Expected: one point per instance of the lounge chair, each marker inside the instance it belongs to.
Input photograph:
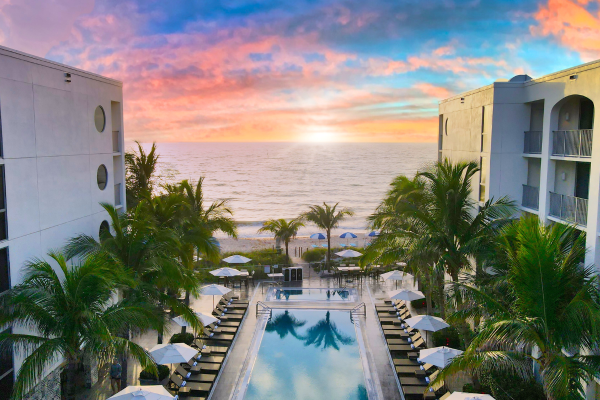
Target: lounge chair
(414, 392)
(402, 345)
(229, 311)
(177, 383)
(403, 361)
(444, 397)
(223, 329)
(395, 333)
(192, 376)
(210, 348)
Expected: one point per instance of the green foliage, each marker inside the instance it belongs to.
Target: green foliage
(149, 374)
(503, 386)
(282, 229)
(327, 217)
(448, 337)
(187, 338)
(314, 255)
(140, 179)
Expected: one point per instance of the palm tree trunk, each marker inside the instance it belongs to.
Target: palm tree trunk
(71, 378)
(429, 290)
(328, 248)
(286, 248)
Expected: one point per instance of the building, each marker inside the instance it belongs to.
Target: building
(534, 140)
(61, 141)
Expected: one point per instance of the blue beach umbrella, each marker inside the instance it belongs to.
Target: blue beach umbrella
(319, 236)
(348, 235)
(373, 234)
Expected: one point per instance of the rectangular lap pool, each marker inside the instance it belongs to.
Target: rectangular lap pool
(311, 294)
(308, 354)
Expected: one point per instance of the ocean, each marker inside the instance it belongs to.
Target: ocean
(280, 180)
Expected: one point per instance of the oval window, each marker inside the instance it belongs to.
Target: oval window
(99, 119)
(102, 177)
(104, 229)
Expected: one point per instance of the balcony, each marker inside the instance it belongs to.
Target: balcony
(575, 143)
(116, 142)
(569, 208)
(118, 195)
(533, 142)
(531, 197)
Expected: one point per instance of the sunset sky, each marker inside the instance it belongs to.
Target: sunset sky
(300, 70)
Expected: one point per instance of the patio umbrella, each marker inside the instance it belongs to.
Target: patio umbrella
(348, 254)
(438, 356)
(154, 392)
(172, 353)
(394, 276)
(226, 271)
(406, 295)
(237, 259)
(427, 323)
(348, 235)
(214, 290)
(469, 396)
(318, 236)
(373, 234)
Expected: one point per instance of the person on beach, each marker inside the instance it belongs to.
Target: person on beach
(115, 376)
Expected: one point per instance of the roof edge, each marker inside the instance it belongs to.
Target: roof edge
(6, 51)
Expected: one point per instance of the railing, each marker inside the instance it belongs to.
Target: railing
(575, 143)
(533, 142)
(531, 197)
(360, 309)
(116, 142)
(263, 309)
(118, 194)
(569, 208)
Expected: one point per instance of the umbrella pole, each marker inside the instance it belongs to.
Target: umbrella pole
(213, 301)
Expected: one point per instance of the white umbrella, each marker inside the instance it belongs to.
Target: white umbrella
(348, 254)
(438, 356)
(206, 319)
(214, 290)
(427, 323)
(154, 392)
(172, 353)
(394, 276)
(236, 259)
(469, 396)
(226, 271)
(406, 295)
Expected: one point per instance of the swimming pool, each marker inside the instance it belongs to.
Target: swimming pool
(311, 294)
(308, 354)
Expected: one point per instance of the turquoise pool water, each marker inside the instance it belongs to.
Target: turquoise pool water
(311, 294)
(308, 354)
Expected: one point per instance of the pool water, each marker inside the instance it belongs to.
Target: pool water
(308, 354)
(311, 294)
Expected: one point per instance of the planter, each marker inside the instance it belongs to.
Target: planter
(149, 382)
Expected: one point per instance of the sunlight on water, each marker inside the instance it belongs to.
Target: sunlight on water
(308, 354)
(279, 180)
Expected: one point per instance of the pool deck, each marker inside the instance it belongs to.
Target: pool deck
(369, 292)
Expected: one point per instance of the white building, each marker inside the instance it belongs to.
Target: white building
(534, 140)
(61, 135)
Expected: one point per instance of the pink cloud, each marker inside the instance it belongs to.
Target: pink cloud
(434, 91)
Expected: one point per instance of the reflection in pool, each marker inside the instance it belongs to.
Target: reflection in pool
(311, 294)
(308, 354)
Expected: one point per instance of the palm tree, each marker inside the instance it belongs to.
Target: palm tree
(283, 324)
(73, 315)
(326, 333)
(140, 173)
(283, 230)
(327, 217)
(541, 304)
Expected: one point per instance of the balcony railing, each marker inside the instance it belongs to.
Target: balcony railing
(116, 142)
(576, 143)
(118, 194)
(531, 197)
(533, 142)
(569, 208)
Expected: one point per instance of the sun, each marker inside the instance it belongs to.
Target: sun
(320, 134)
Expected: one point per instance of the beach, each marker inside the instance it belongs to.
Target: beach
(250, 244)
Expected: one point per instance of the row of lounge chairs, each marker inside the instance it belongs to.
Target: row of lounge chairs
(404, 344)
(194, 379)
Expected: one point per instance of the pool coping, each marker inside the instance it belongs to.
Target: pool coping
(372, 383)
(352, 295)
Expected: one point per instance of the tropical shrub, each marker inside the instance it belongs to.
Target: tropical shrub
(314, 255)
(448, 337)
(186, 337)
(163, 372)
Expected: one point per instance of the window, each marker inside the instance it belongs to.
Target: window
(440, 132)
(3, 227)
(6, 372)
(483, 175)
(4, 270)
(1, 146)
(446, 127)
(104, 229)
(102, 177)
(99, 119)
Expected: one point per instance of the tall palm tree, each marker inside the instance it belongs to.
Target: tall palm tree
(540, 299)
(140, 179)
(73, 314)
(283, 230)
(327, 217)
(285, 324)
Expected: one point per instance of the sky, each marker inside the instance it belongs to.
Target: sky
(300, 70)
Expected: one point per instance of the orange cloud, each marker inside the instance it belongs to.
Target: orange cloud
(434, 91)
(570, 22)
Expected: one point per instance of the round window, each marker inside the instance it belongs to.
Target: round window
(102, 177)
(104, 229)
(99, 119)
